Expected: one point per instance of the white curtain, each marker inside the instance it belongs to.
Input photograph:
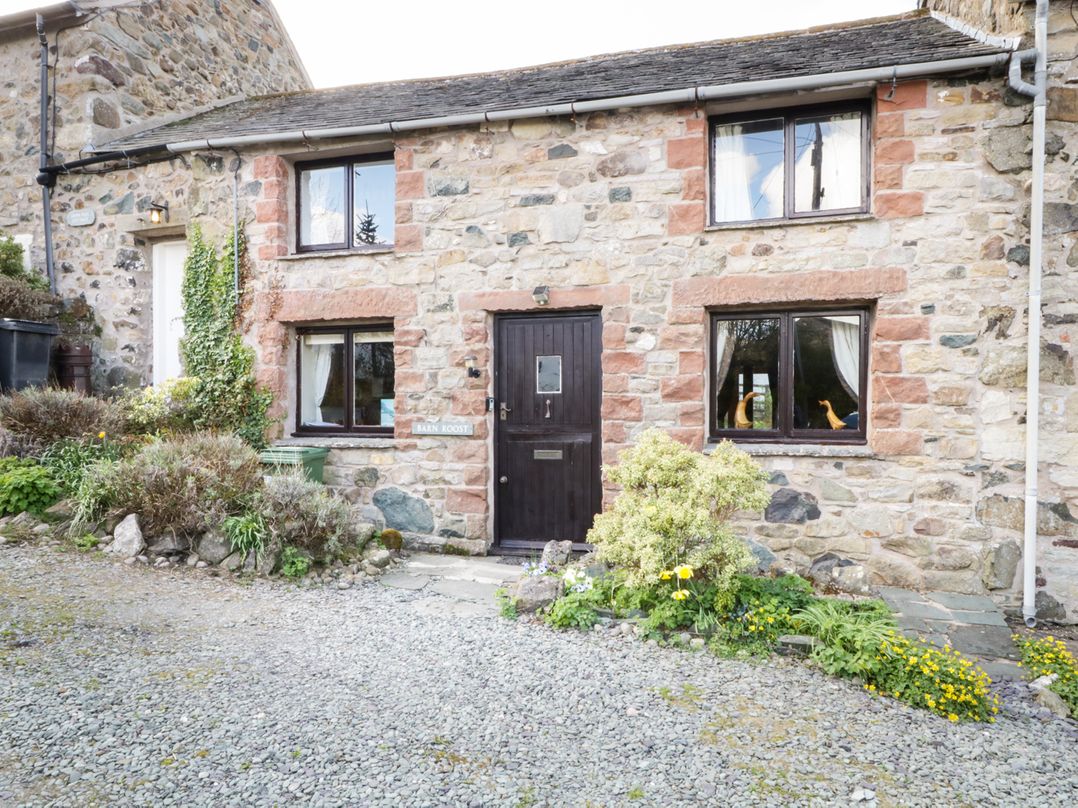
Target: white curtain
(840, 164)
(317, 364)
(733, 175)
(724, 354)
(846, 351)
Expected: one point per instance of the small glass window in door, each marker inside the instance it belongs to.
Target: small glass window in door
(548, 374)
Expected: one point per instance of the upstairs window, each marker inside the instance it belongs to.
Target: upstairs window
(789, 165)
(789, 376)
(345, 380)
(346, 204)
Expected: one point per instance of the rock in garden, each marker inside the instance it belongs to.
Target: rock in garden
(127, 539)
(1051, 700)
(533, 592)
(556, 553)
(266, 561)
(213, 547)
(192, 559)
(378, 556)
(64, 509)
(233, 562)
(852, 579)
(169, 544)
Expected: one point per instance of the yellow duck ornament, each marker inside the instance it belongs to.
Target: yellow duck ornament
(834, 420)
(741, 420)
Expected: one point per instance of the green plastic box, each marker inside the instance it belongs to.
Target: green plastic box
(311, 458)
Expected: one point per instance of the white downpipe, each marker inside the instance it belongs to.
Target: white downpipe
(690, 95)
(1039, 91)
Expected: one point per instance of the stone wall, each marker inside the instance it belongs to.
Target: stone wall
(126, 69)
(608, 210)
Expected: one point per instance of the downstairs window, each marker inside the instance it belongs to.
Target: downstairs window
(790, 376)
(345, 380)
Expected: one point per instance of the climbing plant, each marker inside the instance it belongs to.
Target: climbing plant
(226, 396)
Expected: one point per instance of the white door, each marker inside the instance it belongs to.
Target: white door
(168, 258)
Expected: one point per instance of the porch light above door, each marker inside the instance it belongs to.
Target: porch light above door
(158, 212)
(472, 364)
(541, 295)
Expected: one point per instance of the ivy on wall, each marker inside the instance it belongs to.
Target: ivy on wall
(226, 396)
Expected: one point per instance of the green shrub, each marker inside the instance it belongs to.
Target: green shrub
(294, 563)
(674, 508)
(12, 266)
(573, 610)
(186, 484)
(391, 539)
(43, 416)
(226, 396)
(1047, 656)
(245, 533)
(25, 486)
(69, 460)
(306, 515)
(849, 637)
(166, 409)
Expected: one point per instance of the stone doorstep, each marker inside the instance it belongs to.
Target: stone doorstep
(485, 570)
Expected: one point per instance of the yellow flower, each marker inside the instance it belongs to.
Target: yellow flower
(680, 594)
(952, 717)
(665, 575)
(101, 435)
(684, 571)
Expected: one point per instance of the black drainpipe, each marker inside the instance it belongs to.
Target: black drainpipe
(46, 178)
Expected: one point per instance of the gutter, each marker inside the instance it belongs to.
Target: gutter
(691, 95)
(1039, 91)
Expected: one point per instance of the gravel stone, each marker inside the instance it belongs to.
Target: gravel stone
(124, 685)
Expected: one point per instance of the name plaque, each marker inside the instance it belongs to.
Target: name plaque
(442, 428)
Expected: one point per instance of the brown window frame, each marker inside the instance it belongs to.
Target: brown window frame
(348, 164)
(785, 431)
(790, 116)
(349, 428)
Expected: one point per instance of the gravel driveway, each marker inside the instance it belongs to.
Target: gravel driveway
(130, 686)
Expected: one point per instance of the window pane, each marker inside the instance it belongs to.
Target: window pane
(748, 166)
(373, 355)
(548, 374)
(746, 373)
(322, 380)
(827, 160)
(374, 193)
(827, 372)
(321, 205)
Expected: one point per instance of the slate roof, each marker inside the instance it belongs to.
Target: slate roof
(907, 39)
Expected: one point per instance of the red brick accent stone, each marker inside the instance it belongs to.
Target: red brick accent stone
(686, 152)
(403, 213)
(313, 305)
(521, 300)
(900, 389)
(408, 238)
(269, 166)
(468, 402)
(886, 415)
(693, 437)
(907, 95)
(614, 432)
(685, 219)
(624, 362)
(733, 290)
(897, 442)
(681, 336)
(615, 383)
(466, 500)
(410, 381)
(693, 185)
(465, 451)
(270, 210)
(411, 185)
(691, 414)
(622, 408)
(899, 204)
(894, 151)
(690, 362)
(475, 476)
(888, 178)
(886, 359)
(890, 124)
(683, 388)
(613, 336)
(404, 159)
(902, 329)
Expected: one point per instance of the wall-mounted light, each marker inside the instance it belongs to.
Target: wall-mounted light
(541, 295)
(472, 364)
(158, 212)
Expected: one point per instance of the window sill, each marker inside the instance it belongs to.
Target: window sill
(299, 256)
(772, 223)
(340, 441)
(799, 449)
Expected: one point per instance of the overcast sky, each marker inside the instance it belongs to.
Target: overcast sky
(356, 41)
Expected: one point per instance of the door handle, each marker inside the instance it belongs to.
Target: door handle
(504, 410)
(503, 479)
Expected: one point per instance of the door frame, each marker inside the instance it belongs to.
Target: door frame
(157, 248)
(518, 547)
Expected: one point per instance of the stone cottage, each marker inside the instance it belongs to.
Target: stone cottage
(114, 65)
(477, 290)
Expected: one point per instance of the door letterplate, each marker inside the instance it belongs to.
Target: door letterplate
(546, 454)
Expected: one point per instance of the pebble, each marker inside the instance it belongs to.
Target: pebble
(175, 690)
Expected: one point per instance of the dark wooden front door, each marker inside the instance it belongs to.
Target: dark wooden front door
(548, 391)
